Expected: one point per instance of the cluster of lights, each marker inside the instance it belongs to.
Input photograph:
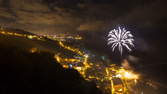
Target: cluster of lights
(33, 50)
(124, 74)
(81, 69)
(28, 36)
(72, 49)
(62, 37)
(108, 73)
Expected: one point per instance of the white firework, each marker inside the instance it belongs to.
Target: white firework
(120, 38)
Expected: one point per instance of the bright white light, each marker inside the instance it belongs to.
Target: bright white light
(120, 38)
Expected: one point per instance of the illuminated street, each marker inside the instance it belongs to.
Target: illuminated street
(110, 78)
(83, 47)
(86, 68)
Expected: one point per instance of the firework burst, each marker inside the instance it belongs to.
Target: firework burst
(120, 38)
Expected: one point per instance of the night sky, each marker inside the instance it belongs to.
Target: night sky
(93, 19)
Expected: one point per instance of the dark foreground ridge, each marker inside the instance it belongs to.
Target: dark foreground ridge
(22, 72)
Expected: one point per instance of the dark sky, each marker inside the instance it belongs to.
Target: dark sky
(81, 15)
(146, 19)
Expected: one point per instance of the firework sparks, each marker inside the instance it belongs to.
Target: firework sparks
(120, 38)
(110, 79)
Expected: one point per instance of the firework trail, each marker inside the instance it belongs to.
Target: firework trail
(120, 38)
